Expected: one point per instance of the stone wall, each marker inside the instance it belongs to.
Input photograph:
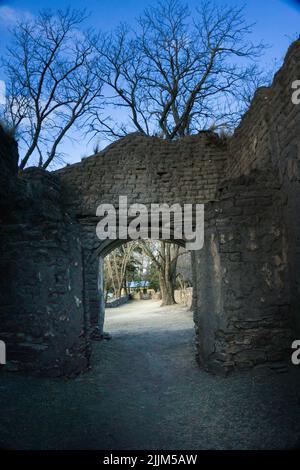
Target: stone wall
(242, 310)
(11, 187)
(246, 280)
(269, 130)
(184, 296)
(147, 170)
(117, 302)
(41, 309)
(269, 136)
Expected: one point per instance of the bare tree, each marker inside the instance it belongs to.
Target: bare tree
(53, 82)
(176, 73)
(115, 267)
(164, 255)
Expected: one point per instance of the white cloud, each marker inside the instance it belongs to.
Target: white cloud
(2, 92)
(9, 16)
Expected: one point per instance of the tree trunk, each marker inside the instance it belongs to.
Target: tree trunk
(119, 292)
(167, 290)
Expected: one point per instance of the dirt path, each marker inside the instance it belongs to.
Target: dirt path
(145, 391)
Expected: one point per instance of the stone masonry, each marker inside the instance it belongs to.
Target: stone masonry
(246, 279)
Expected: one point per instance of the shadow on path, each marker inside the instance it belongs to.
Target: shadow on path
(146, 391)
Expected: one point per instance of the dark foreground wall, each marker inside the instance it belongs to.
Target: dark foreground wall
(41, 313)
(269, 137)
(242, 310)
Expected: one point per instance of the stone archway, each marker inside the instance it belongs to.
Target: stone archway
(93, 254)
(241, 297)
(246, 277)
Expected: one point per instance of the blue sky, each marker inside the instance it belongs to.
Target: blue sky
(277, 23)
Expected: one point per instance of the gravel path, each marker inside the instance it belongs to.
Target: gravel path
(145, 391)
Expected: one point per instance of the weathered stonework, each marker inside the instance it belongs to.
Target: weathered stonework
(42, 316)
(242, 311)
(147, 170)
(184, 296)
(246, 280)
(117, 302)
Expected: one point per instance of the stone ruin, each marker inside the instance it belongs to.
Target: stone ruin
(246, 278)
